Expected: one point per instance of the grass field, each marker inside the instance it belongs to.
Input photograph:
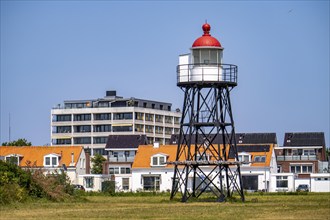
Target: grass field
(257, 206)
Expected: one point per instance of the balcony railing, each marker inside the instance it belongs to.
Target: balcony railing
(207, 73)
(296, 157)
(121, 159)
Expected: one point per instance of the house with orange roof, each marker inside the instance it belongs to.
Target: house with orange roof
(50, 159)
(152, 171)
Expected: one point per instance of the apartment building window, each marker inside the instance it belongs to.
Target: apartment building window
(78, 105)
(151, 183)
(159, 118)
(82, 128)
(61, 117)
(102, 116)
(123, 116)
(281, 181)
(149, 129)
(100, 151)
(139, 127)
(125, 183)
(168, 119)
(301, 168)
(168, 130)
(102, 128)
(158, 130)
(62, 129)
(82, 117)
(100, 140)
(139, 116)
(176, 120)
(149, 117)
(61, 141)
(103, 104)
(82, 140)
(167, 141)
(122, 128)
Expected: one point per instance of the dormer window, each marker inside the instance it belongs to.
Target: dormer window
(259, 159)
(158, 160)
(51, 160)
(244, 157)
(13, 158)
(203, 157)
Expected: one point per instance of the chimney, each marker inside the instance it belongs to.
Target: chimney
(72, 158)
(88, 160)
(156, 144)
(105, 168)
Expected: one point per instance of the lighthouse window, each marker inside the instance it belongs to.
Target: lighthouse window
(213, 56)
(196, 54)
(205, 56)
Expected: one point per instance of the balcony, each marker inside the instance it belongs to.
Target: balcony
(296, 157)
(121, 159)
(213, 73)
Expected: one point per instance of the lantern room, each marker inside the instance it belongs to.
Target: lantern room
(204, 64)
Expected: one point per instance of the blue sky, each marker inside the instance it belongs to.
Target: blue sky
(53, 51)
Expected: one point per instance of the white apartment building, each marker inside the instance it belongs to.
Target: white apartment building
(88, 123)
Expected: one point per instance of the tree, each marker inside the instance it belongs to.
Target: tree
(97, 162)
(19, 142)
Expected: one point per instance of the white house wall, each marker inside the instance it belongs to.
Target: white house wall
(273, 181)
(320, 182)
(119, 182)
(166, 176)
(97, 181)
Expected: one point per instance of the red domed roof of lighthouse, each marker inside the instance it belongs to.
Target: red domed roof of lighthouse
(206, 40)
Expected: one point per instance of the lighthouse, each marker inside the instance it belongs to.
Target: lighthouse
(206, 158)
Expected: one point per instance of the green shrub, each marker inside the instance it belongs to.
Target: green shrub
(16, 185)
(10, 193)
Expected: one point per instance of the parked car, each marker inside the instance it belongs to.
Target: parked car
(79, 187)
(303, 188)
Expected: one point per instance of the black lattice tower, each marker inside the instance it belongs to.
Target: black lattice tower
(207, 159)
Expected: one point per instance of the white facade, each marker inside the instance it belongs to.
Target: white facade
(282, 182)
(163, 175)
(93, 182)
(288, 182)
(90, 125)
(320, 182)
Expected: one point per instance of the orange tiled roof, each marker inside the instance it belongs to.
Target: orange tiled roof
(36, 154)
(145, 152)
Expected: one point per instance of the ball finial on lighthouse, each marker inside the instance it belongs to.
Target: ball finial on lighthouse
(206, 28)
(206, 40)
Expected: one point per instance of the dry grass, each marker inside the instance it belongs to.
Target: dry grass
(268, 206)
